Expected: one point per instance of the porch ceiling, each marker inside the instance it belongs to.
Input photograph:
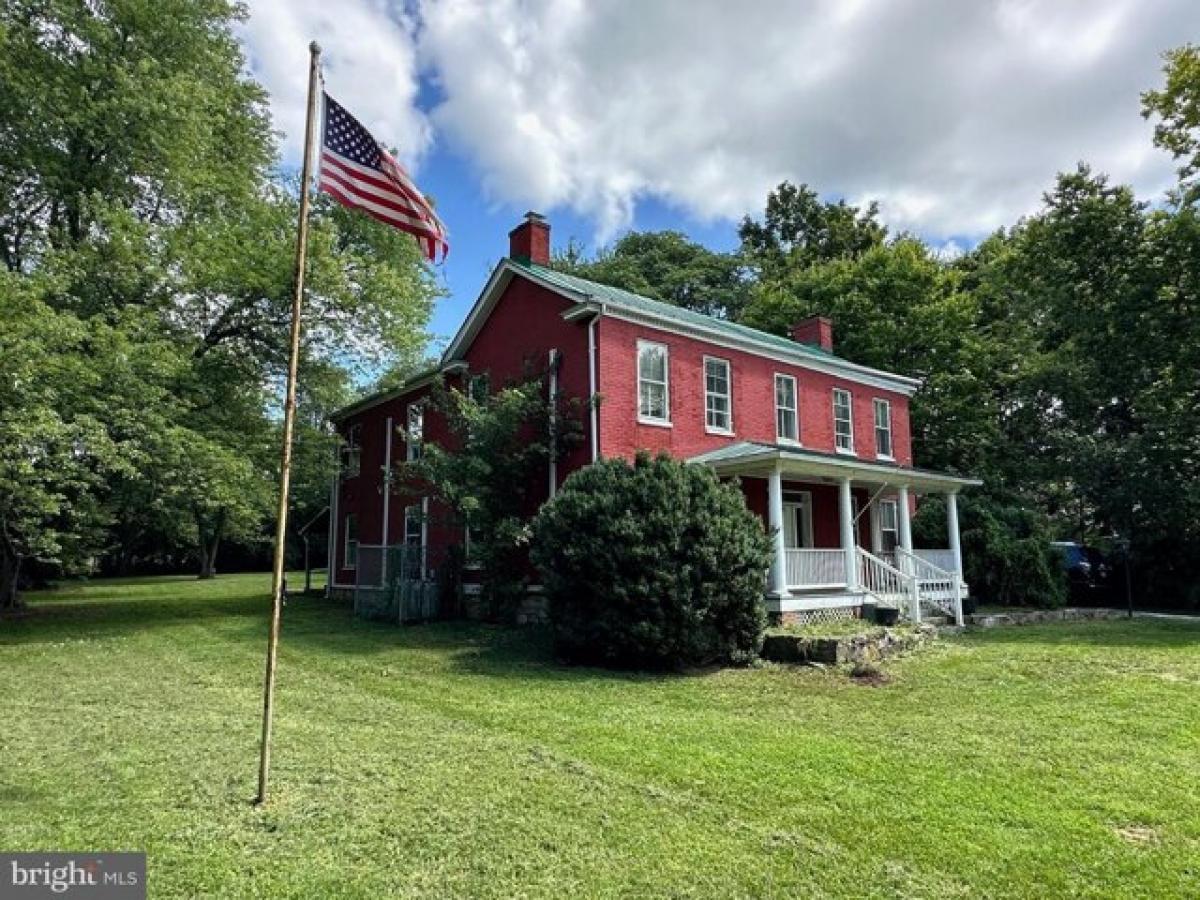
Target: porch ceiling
(759, 460)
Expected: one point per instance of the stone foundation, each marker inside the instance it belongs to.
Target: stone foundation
(869, 646)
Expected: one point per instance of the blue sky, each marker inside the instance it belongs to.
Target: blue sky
(479, 232)
(953, 116)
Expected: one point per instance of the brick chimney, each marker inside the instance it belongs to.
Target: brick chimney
(817, 331)
(530, 241)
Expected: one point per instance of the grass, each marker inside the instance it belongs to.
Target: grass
(457, 760)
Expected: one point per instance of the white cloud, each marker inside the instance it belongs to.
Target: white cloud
(954, 116)
(368, 59)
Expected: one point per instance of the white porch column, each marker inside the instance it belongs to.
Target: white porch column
(905, 518)
(846, 520)
(778, 584)
(952, 528)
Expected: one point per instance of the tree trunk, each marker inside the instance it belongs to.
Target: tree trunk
(208, 549)
(10, 575)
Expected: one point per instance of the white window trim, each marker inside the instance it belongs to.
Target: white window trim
(790, 441)
(890, 457)
(346, 564)
(650, 420)
(712, 429)
(848, 451)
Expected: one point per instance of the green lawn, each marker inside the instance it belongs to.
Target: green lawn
(455, 760)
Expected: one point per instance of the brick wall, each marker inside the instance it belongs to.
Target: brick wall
(753, 394)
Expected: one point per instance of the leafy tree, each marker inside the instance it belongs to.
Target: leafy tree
(139, 104)
(137, 205)
(799, 229)
(652, 564)
(665, 265)
(500, 444)
(1177, 107)
(1006, 546)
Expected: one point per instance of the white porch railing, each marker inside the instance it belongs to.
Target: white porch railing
(942, 559)
(942, 588)
(808, 568)
(889, 585)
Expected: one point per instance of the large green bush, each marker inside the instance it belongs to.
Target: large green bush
(1006, 548)
(652, 564)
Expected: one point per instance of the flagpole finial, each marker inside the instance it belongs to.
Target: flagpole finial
(314, 48)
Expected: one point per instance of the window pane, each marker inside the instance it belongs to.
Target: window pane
(653, 364)
(653, 400)
(785, 422)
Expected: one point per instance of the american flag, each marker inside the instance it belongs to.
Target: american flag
(360, 174)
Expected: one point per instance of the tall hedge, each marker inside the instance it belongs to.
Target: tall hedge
(652, 564)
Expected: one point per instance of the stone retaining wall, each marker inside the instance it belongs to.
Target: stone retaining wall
(869, 646)
(1040, 616)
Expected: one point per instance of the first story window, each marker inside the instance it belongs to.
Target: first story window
(654, 404)
(843, 421)
(889, 526)
(414, 540)
(352, 452)
(350, 547)
(787, 421)
(717, 395)
(883, 428)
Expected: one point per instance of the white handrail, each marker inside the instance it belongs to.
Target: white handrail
(926, 571)
(887, 583)
(807, 567)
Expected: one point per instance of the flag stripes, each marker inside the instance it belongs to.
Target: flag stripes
(360, 174)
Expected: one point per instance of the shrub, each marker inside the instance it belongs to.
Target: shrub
(1006, 549)
(655, 564)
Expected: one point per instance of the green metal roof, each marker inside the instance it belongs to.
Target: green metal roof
(636, 302)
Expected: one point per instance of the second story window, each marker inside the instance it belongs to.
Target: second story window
(843, 421)
(883, 429)
(654, 400)
(416, 430)
(717, 395)
(352, 452)
(787, 421)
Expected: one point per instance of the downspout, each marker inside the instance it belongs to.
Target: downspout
(555, 356)
(595, 411)
(331, 559)
(387, 494)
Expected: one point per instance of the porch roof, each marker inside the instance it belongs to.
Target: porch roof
(760, 459)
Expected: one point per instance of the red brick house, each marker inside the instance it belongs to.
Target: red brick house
(821, 445)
